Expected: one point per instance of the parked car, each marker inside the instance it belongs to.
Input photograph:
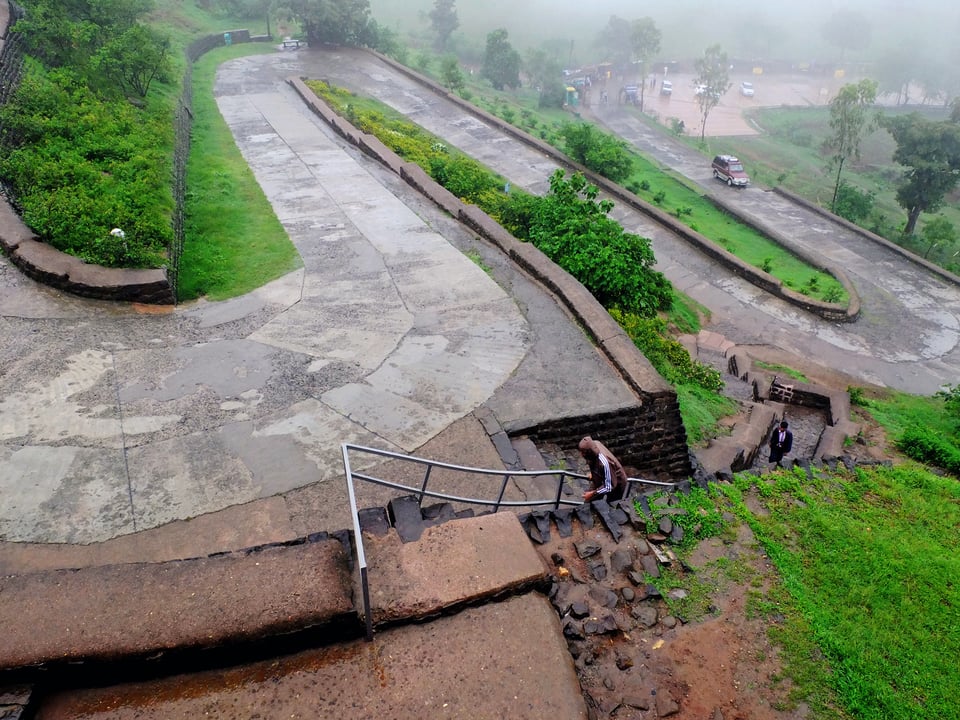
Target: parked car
(746, 89)
(666, 87)
(730, 170)
(700, 89)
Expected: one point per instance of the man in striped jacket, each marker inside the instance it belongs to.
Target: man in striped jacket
(608, 480)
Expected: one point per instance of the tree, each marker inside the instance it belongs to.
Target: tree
(645, 42)
(938, 233)
(616, 41)
(135, 59)
(930, 150)
(852, 204)
(894, 71)
(501, 63)
(70, 32)
(713, 80)
(544, 72)
(599, 151)
(443, 21)
(331, 21)
(848, 30)
(574, 230)
(850, 119)
(450, 73)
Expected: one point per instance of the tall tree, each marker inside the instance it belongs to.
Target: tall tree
(616, 42)
(501, 63)
(930, 150)
(443, 21)
(134, 59)
(713, 80)
(645, 42)
(850, 120)
(544, 72)
(330, 21)
(848, 30)
(70, 32)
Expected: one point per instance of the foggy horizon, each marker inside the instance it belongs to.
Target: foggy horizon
(748, 30)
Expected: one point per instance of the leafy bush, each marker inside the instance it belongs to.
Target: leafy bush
(951, 399)
(574, 231)
(596, 150)
(668, 356)
(80, 166)
(926, 446)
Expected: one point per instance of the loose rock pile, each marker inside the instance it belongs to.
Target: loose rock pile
(611, 615)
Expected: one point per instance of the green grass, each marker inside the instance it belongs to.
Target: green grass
(234, 242)
(869, 564)
(781, 369)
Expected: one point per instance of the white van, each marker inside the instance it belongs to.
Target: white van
(666, 88)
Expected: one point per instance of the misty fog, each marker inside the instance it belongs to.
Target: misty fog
(750, 29)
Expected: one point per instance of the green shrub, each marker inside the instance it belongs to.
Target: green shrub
(668, 356)
(79, 165)
(926, 446)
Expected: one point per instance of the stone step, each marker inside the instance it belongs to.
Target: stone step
(109, 613)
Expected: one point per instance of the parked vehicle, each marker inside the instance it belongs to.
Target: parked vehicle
(746, 89)
(730, 170)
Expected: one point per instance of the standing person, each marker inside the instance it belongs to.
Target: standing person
(607, 477)
(781, 442)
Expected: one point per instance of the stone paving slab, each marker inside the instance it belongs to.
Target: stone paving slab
(451, 564)
(501, 660)
(136, 610)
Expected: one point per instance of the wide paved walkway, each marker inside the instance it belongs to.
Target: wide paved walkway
(116, 419)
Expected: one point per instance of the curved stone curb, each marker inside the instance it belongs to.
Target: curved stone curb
(45, 264)
(866, 234)
(829, 311)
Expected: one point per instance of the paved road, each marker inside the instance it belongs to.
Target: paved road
(907, 335)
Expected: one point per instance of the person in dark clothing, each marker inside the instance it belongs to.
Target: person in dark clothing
(608, 479)
(781, 442)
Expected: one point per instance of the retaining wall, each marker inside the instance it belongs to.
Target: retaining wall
(649, 437)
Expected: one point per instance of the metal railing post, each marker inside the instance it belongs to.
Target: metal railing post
(358, 543)
(423, 492)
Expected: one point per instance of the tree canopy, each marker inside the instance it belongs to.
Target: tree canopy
(331, 21)
(645, 43)
(574, 230)
(848, 30)
(599, 151)
(930, 151)
(443, 21)
(501, 63)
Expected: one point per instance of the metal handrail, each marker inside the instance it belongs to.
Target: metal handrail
(422, 491)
